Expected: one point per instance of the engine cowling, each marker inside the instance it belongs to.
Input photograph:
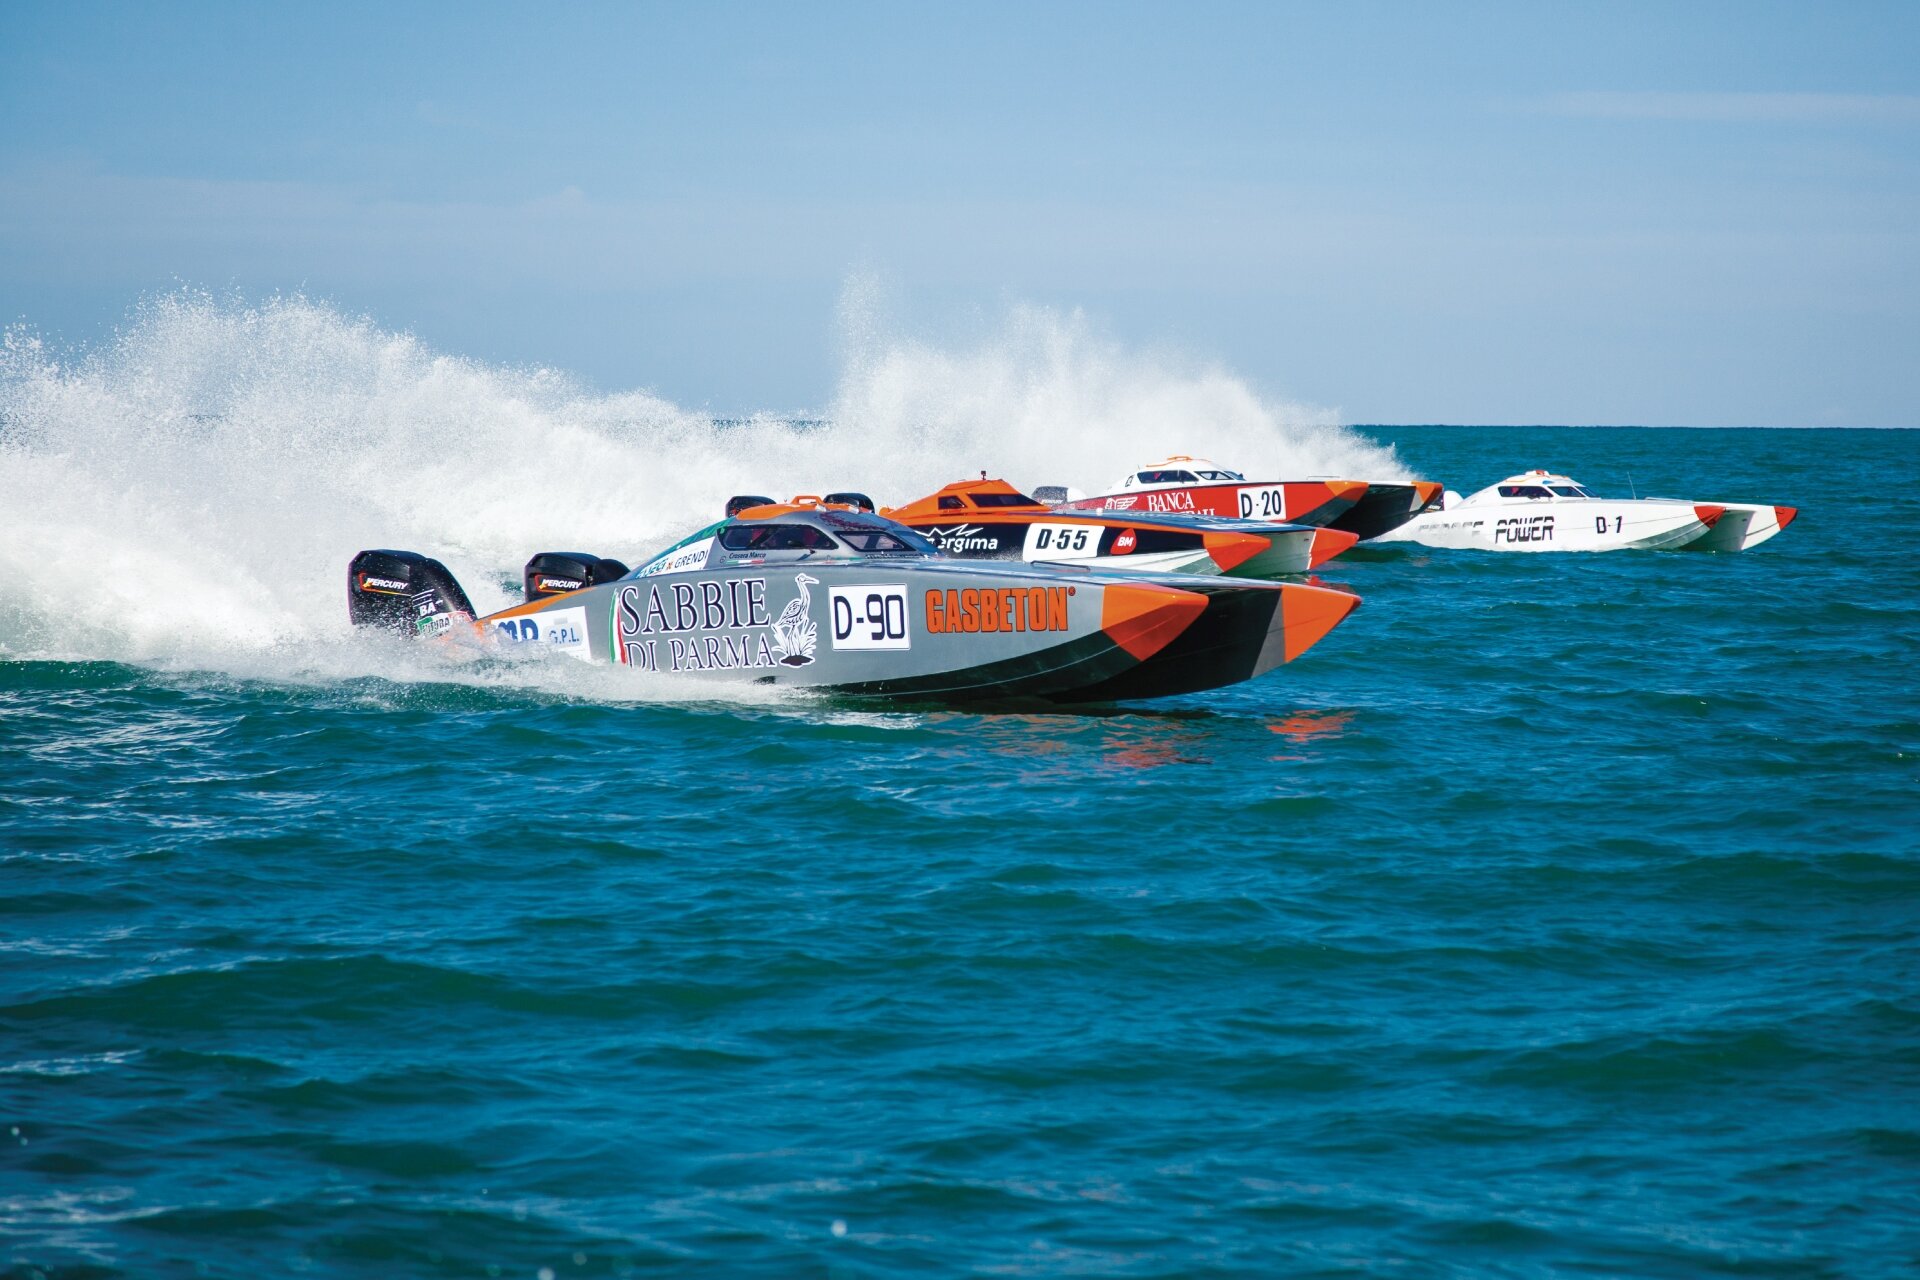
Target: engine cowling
(404, 592)
(557, 573)
(849, 498)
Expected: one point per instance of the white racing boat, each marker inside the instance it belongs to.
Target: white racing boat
(1541, 511)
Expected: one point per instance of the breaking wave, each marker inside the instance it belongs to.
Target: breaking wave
(190, 492)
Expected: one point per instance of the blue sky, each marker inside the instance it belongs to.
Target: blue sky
(1702, 214)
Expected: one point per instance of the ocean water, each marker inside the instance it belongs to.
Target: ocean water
(1555, 916)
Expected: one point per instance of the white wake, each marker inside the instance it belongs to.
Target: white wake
(190, 493)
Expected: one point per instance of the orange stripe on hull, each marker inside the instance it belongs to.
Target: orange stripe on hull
(1144, 619)
(1785, 515)
(1309, 613)
(1231, 550)
(1328, 543)
(1311, 497)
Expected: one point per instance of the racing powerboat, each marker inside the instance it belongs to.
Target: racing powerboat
(834, 598)
(1181, 483)
(1544, 511)
(990, 519)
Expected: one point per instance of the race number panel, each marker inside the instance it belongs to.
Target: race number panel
(869, 617)
(1062, 542)
(1263, 502)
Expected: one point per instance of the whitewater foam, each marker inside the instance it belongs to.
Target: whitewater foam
(189, 493)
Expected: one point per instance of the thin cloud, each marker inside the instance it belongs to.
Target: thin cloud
(1739, 108)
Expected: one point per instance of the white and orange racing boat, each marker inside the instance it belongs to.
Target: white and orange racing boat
(1197, 486)
(1545, 511)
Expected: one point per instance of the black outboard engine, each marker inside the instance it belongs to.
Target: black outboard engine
(858, 501)
(736, 505)
(555, 573)
(405, 592)
(1050, 494)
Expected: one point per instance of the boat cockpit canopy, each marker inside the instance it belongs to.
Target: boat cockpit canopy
(965, 495)
(1180, 469)
(822, 530)
(1537, 485)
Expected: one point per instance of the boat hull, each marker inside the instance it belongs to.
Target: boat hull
(1384, 507)
(1744, 525)
(917, 629)
(1315, 502)
(1242, 633)
(1576, 524)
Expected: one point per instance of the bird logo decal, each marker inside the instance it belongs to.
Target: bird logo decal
(794, 633)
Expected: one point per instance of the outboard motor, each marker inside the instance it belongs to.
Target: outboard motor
(555, 573)
(404, 591)
(1053, 495)
(858, 501)
(739, 503)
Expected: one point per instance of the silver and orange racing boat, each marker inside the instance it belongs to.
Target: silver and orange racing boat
(833, 598)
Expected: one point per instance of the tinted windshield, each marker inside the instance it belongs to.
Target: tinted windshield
(1569, 490)
(1003, 500)
(775, 537)
(1168, 477)
(1221, 475)
(1523, 491)
(880, 541)
(858, 530)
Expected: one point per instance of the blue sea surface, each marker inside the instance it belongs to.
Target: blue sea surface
(1557, 915)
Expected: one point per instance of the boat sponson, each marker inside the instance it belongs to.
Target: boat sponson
(1137, 621)
(1383, 507)
(1324, 501)
(1248, 628)
(1046, 673)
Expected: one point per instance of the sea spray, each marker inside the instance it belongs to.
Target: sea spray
(1046, 398)
(190, 492)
